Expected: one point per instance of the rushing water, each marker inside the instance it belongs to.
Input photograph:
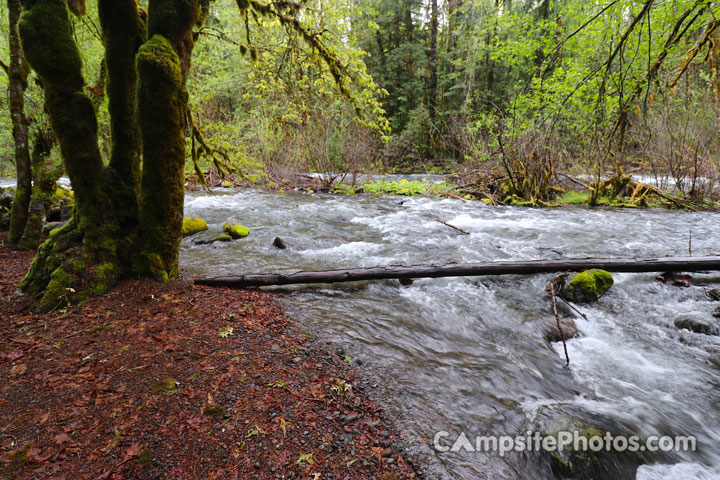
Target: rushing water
(466, 354)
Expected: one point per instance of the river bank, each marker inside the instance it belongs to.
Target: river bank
(179, 381)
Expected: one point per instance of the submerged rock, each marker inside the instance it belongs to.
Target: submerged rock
(551, 333)
(589, 285)
(698, 325)
(675, 279)
(6, 198)
(713, 294)
(222, 238)
(191, 226)
(235, 230)
(279, 243)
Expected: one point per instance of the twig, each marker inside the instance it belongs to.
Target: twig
(449, 225)
(573, 307)
(575, 180)
(557, 320)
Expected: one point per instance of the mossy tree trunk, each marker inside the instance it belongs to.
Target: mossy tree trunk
(163, 63)
(123, 34)
(127, 219)
(45, 176)
(17, 82)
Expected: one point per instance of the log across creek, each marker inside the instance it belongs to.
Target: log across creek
(675, 264)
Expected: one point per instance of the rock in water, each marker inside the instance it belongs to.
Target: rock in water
(589, 285)
(235, 230)
(675, 279)
(697, 325)
(279, 243)
(191, 226)
(551, 333)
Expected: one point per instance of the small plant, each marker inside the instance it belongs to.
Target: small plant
(341, 389)
(225, 332)
(167, 386)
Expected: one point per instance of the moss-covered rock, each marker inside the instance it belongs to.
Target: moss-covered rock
(191, 226)
(235, 230)
(63, 195)
(222, 238)
(589, 285)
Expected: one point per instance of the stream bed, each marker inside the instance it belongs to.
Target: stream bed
(468, 354)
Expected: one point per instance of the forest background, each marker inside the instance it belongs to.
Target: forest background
(511, 98)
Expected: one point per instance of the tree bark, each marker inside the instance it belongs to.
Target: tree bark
(82, 257)
(433, 59)
(123, 34)
(688, 264)
(163, 63)
(17, 82)
(44, 183)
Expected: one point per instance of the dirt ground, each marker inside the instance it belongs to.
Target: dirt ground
(155, 381)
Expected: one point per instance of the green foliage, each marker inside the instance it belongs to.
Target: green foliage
(409, 188)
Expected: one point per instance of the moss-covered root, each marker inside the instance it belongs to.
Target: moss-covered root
(191, 226)
(589, 285)
(64, 272)
(162, 99)
(236, 231)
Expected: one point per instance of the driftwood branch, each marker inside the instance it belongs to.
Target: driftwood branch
(685, 264)
(437, 219)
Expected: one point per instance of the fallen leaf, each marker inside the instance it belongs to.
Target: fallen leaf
(133, 450)
(61, 438)
(18, 370)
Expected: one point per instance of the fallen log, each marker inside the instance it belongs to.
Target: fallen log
(685, 264)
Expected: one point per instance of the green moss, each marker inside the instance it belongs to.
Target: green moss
(145, 457)
(64, 195)
(213, 411)
(48, 43)
(589, 285)
(162, 100)
(103, 277)
(191, 226)
(574, 197)
(56, 292)
(18, 459)
(222, 238)
(166, 386)
(236, 231)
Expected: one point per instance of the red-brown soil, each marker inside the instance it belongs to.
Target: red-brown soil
(176, 381)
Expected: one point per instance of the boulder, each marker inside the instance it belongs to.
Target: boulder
(6, 198)
(551, 333)
(698, 325)
(589, 285)
(279, 243)
(191, 226)
(222, 238)
(235, 230)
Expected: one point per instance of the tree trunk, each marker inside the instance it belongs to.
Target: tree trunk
(689, 264)
(81, 257)
(123, 34)
(433, 59)
(44, 183)
(17, 82)
(163, 63)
